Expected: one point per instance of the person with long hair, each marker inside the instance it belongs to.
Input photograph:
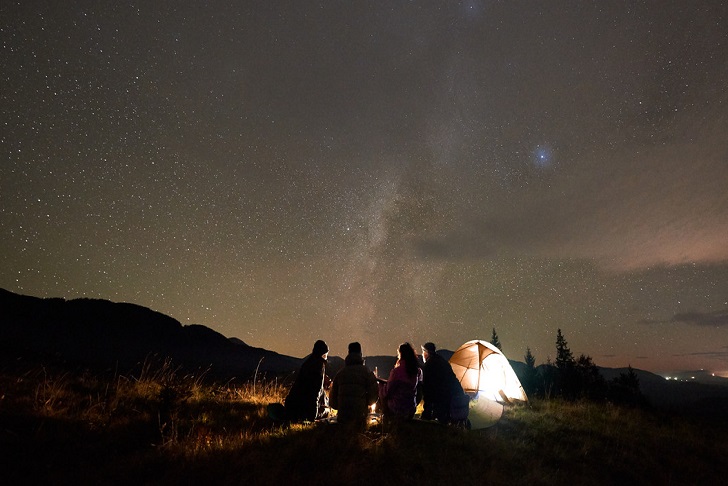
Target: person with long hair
(400, 395)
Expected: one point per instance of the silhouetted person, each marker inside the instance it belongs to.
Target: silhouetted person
(399, 395)
(302, 402)
(354, 389)
(439, 385)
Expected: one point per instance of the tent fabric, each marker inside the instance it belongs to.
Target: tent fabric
(484, 372)
(484, 413)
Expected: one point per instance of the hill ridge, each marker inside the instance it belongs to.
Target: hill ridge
(102, 333)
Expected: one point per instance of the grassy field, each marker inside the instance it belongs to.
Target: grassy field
(164, 428)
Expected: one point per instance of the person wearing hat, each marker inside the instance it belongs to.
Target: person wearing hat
(439, 385)
(354, 389)
(302, 402)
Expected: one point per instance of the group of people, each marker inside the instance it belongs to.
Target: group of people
(355, 388)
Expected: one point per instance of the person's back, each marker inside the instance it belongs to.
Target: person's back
(439, 385)
(354, 389)
(400, 392)
(302, 402)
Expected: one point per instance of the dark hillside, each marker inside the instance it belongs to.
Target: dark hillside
(703, 399)
(103, 334)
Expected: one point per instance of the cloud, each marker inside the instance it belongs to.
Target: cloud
(720, 354)
(694, 318)
(718, 318)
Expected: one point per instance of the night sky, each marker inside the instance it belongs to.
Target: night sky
(286, 171)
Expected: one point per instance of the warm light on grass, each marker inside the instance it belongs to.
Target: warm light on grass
(168, 427)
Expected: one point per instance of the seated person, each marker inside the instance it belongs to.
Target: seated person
(354, 389)
(303, 401)
(399, 394)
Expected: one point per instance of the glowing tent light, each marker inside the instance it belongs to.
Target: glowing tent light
(484, 372)
(486, 375)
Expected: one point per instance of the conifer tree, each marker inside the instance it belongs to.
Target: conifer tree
(564, 357)
(626, 389)
(549, 378)
(529, 359)
(591, 383)
(567, 378)
(530, 375)
(495, 341)
(630, 380)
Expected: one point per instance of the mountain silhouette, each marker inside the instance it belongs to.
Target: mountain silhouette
(103, 334)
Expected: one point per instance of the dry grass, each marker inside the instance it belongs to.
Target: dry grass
(163, 427)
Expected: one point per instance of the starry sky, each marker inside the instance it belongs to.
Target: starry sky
(286, 171)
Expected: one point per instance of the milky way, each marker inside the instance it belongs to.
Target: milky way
(405, 171)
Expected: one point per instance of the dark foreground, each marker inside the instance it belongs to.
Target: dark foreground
(160, 428)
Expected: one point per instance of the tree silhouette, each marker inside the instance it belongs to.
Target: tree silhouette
(590, 381)
(530, 375)
(530, 359)
(625, 389)
(566, 376)
(629, 379)
(564, 357)
(495, 341)
(548, 374)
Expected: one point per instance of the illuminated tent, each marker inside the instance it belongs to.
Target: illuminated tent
(486, 375)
